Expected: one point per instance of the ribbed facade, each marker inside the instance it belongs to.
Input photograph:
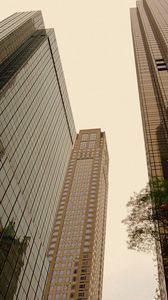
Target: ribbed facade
(150, 36)
(76, 250)
(36, 136)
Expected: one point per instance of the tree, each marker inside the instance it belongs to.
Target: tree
(146, 210)
(157, 294)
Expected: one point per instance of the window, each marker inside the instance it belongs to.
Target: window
(162, 68)
(83, 145)
(158, 59)
(92, 136)
(83, 278)
(91, 145)
(85, 137)
(161, 65)
(82, 286)
(85, 263)
(84, 270)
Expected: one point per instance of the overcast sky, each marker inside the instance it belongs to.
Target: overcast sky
(94, 39)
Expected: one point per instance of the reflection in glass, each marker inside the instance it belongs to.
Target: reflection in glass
(12, 251)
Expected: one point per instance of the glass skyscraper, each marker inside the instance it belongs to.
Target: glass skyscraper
(150, 36)
(36, 136)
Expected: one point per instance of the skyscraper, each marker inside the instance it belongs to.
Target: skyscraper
(36, 136)
(150, 37)
(76, 250)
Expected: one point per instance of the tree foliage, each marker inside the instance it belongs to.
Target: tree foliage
(157, 294)
(145, 208)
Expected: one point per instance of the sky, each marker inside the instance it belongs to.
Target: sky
(95, 45)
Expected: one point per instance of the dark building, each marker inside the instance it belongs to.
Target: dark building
(150, 36)
(77, 243)
(36, 136)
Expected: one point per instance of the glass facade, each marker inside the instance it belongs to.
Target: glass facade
(76, 250)
(150, 38)
(36, 136)
(16, 29)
